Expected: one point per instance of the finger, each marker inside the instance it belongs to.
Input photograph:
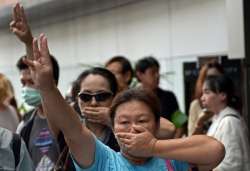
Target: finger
(36, 53)
(89, 116)
(139, 128)
(91, 113)
(18, 9)
(23, 16)
(17, 32)
(125, 141)
(44, 47)
(14, 16)
(29, 62)
(124, 135)
(91, 109)
(12, 24)
(93, 120)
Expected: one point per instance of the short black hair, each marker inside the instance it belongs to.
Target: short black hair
(223, 84)
(137, 94)
(126, 65)
(56, 70)
(109, 76)
(147, 62)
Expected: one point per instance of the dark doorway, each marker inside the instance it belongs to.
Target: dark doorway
(232, 67)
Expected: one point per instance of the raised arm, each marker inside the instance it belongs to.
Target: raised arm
(78, 137)
(20, 27)
(200, 150)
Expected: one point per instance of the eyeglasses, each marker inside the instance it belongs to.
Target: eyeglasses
(99, 97)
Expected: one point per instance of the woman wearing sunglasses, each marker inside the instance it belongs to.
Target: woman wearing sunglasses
(98, 86)
(140, 151)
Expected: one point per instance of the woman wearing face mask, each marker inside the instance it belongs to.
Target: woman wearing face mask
(8, 115)
(227, 126)
(130, 118)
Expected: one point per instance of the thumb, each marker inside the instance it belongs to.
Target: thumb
(139, 129)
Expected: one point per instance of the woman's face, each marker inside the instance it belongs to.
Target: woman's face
(134, 113)
(116, 69)
(211, 100)
(95, 92)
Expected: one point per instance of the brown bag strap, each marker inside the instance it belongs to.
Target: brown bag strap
(62, 160)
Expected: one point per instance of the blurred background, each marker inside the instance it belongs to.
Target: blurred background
(181, 34)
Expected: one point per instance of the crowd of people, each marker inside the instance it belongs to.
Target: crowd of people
(104, 124)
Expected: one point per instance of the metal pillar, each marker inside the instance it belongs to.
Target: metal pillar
(246, 14)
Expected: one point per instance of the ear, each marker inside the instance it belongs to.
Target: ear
(223, 96)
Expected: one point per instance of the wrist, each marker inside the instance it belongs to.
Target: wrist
(29, 42)
(154, 146)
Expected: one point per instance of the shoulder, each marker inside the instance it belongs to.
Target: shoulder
(195, 103)
(27, 116)
(230, 127)
(230, 121)
(11, 109)
(165, 93)
(5, 137)
(104, 158)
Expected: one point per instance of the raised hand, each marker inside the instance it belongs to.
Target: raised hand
(139, 144)
(41, 66)
(98, 115)
(19, 25)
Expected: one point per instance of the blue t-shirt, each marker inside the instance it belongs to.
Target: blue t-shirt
(108, 160)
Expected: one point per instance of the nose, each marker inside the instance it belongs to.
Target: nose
(132, 129)
(93, 101)
(202, 98)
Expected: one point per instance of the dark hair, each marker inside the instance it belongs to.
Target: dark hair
(147, 62)
(126, 65)
(136, 94)
(223, 84)
(109, 76)
(21, 66)
(203, 74)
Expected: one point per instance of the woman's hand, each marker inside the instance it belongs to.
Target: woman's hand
(202, 119)
(140, 144)
(99, 115)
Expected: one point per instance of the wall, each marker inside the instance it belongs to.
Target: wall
(172, 30)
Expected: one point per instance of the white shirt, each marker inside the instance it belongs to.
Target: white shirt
(230, 129)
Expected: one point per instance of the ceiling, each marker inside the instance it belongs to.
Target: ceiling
(56, 10)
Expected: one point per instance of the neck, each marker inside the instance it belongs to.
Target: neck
(40, 112)
(149, 88)
(219, 108)
(123, 88)
(97, 129)
(135, 160)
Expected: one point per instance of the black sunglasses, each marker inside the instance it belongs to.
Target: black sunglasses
(99, 97)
